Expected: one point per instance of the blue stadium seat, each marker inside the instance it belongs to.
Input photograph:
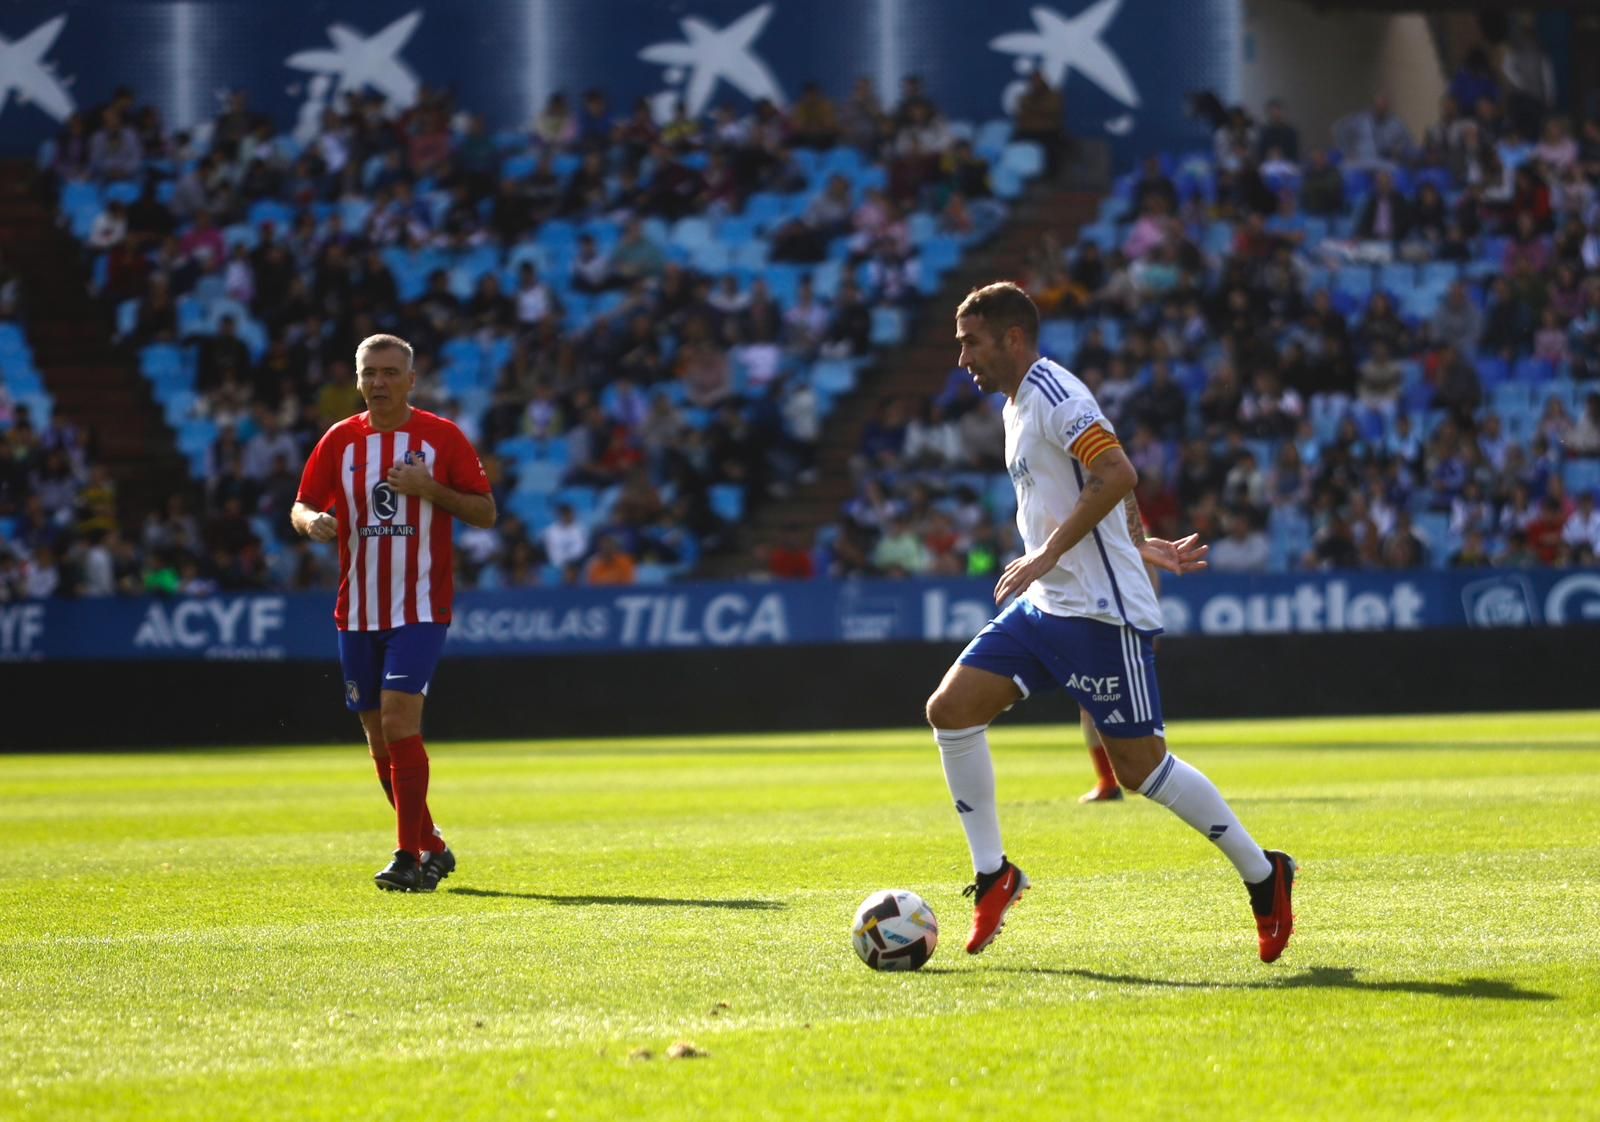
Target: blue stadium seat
(1511, 396)
(940, 254)
(583, 500)
(840, 161)
(745, 255)
(650, 573)
(1354, 280)
(1534, 370)
(1397, 279)
(533, 508)
(727, 501)
(1493, 371)
(1581, 476)
(540, 476)
(1024, 157)
(1058, 338)
(992, 135)
(833, 376)
(888, 327)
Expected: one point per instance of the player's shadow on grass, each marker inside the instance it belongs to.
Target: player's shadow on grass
(1322, 977)
(627, 901)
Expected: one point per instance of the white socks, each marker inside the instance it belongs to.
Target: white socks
(969, 772)
(1195, 799)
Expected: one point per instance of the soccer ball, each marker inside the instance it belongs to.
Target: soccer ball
(894, 930)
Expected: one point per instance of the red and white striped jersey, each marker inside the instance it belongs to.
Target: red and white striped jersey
(396, 558)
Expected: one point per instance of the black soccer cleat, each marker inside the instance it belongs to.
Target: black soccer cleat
(403, 874)
(437, 866)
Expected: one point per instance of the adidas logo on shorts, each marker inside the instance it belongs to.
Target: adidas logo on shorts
(1114, 718)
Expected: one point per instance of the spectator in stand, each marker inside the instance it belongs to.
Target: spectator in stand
(110, 227)
(1457, 322)
(636, 257)
(610, 565)
(1508, 322)
(1387, 215)
(1530, 79)
(1475, 81)
(1381, 380)
(1040, 116)
(1374, 138)
(828, 216)
(1244, 550)
(1322, 187)
(862, 122)
(812, 121)
(789, 559)
(900, 552)
(114, 149)
(1278, 136)
(1582, 527)
(1459, 389)
(703, 366)
(1584, 439)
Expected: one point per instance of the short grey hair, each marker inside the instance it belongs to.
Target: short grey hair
(375, 342)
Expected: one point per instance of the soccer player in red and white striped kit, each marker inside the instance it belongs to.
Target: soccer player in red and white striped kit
(387, 485)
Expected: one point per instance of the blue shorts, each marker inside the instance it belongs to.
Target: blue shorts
(402, 659)
(1109, 670)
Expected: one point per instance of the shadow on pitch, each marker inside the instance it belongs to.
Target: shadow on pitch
(1318, 977)
(627, 901)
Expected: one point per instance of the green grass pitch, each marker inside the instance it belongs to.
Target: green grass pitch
(195, 935)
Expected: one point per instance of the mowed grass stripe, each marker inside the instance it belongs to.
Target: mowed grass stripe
(194, 934)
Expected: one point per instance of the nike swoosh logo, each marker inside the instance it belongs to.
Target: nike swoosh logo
(394, 677)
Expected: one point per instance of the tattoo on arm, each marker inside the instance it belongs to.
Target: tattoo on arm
(1130, 506)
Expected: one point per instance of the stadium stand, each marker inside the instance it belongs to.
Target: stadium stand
(1355, 363)
(644, 327)
(1363, 359)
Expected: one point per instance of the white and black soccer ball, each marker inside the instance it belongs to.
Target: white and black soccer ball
(894, 930)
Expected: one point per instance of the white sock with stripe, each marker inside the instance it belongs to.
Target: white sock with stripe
(1195, 799)
(969, 773)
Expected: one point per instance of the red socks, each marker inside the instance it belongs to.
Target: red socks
(408, 772)
(1102, 767)
(382, 767)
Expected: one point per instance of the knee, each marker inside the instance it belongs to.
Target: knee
(397, 727)
(946, 712)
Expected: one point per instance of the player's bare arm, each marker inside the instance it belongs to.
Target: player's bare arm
(1108, 480)
(1186, 555)
(415, 480)
(318, 525)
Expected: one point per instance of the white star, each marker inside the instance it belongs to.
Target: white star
(23, 69)
(714, 56)
(358, 61)
(1063, 44)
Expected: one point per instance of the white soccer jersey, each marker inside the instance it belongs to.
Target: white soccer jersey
(1053, 427)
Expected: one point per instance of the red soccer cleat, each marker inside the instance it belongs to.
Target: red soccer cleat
(1276, 924)
(994, 893)
(1112, 794)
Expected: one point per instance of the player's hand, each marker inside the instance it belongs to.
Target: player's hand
(1021, 573)
(324, 528)
(411, 479)
(1186, 555)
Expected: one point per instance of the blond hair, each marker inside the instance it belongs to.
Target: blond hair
(378, 342)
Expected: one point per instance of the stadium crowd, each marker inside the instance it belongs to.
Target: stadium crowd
(625, 314)
(1381, 356)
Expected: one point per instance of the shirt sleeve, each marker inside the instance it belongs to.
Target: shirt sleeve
(463, 470)
(1076, 424)
(317, 486)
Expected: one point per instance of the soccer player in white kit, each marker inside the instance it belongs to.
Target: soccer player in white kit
(1083, 618)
